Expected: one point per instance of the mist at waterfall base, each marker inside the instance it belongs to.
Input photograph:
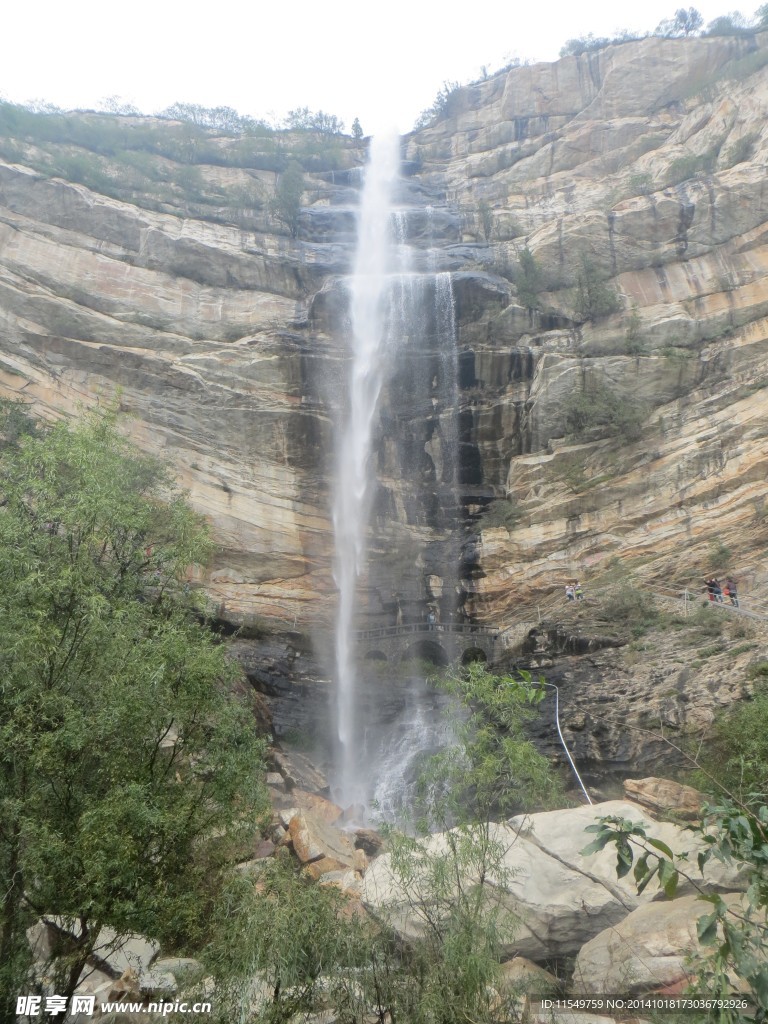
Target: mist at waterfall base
(389, 721)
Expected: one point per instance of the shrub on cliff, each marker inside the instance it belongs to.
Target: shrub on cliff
(286, 204)
(596, 410)
(594, 296)
(127, 774)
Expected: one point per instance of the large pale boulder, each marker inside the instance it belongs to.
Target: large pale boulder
(650, 949)
(662, 796)
(554, 898)
(315, 840)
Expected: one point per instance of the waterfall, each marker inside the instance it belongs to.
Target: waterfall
(402, 338)
(369, 287)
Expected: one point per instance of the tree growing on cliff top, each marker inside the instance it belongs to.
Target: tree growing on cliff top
(122, 754)
(686, 22)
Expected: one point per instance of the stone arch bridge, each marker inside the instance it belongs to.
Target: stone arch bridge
(441, 644)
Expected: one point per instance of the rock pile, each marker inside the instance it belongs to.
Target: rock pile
(560, 903)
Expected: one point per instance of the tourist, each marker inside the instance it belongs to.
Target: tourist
(570, 592)
(731, 591)
(579, 591)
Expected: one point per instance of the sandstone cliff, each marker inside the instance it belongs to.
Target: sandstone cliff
(636, 172)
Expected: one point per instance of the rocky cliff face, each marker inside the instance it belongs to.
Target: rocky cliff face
(640, 168)
(634, 180)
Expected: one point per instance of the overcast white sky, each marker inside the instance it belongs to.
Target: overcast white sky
(383, 64)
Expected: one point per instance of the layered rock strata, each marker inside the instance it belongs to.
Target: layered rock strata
(636, 172)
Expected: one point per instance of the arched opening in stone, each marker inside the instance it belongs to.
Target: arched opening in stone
(376, 656)
(426, 650)
(473, 654)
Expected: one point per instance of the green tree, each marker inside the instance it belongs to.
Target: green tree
(454, 885)
(127, 774)
(686, 22)
(443, 105)
(357, 129)
(596, 410)
(485, 213)
(732, 24)
(583, 44)
(286, 204)
(492, 770)
(594, 297)
(305, 120)
(529, 280)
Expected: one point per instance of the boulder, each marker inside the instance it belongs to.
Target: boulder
(126, 987)
(93, 981)
(664, 797)
(318, 806)
(369, 840)
(521, 973)
(298, 771)
(129, 953)
(313, 839)
(317, 869)
(285, 814)
(181, 967)
(648, 950)
(554, 898)
(348, 881)
(156, 984)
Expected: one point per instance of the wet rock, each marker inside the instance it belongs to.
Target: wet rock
(314, 839)
(370, 840)
(299, 771)
(317, 806)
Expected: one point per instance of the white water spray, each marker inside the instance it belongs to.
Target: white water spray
(369, 293)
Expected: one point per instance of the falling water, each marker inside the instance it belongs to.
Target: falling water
(403, 335)
(369, 288)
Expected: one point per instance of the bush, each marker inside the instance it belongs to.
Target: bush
(641, 184)
(500, 512)
(720, 556)
(594, 297)
(691, 164)
(597, 411)
(286, 204)
(583, 44)
(529, 280)
(736, 754)
(629, 606)
(443, 105)
(732, 24)
(635, 344)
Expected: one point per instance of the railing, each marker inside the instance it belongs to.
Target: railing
(701, 596)
(427, 627)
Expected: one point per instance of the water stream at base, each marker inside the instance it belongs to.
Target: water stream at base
(392, 310)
